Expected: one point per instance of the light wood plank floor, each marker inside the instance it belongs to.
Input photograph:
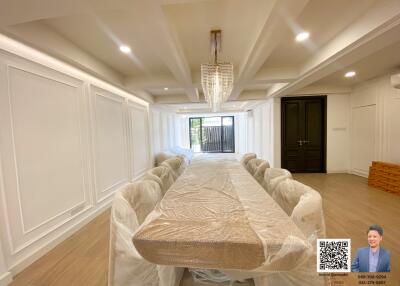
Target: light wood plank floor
(350, 206)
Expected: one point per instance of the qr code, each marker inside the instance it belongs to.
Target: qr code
(333, 255)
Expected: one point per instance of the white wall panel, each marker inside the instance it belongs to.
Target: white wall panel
(363, 138)
(383, 122)
(43, 152)
(109, 142)
(338, 134)
(59, 149)
(48, 151)
(139, 140)
(394, 131)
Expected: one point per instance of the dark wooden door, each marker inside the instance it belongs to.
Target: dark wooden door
(304, 134)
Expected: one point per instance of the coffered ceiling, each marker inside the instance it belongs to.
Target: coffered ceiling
(169, 39)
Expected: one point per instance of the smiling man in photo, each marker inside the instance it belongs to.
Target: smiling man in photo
(372, 258)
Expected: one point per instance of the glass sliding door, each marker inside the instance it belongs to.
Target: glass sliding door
(228, 134)
(212, 134)
(195, 134)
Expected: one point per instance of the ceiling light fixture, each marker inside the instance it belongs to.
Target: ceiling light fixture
(125, 49)
(302, 36)
(165, 88)
(216, 77)
(350, 74)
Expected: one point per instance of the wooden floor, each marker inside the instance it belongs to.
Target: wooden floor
(350, 206)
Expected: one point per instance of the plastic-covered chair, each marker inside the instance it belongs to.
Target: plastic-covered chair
(253, 164)
(272, 177)
(161, 157)
(304, 206)
(186, 153)
(131, 205)
(260, 171)
(176, 164)
(247, 157)
(161, 175)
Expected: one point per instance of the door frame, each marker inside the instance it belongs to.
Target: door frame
(324, 125)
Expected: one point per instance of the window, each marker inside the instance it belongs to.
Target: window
(212, 134)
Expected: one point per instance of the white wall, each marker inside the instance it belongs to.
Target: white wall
(67, 142)
(375, 128)
(264, 132)
(166, 131)
(338, 133)
(170, 129)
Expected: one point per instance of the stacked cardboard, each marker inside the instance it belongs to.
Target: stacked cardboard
(385, 176)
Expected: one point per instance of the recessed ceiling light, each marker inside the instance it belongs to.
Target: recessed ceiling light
(350, 74)
(125, 49)
(165, 88)
(302, 36)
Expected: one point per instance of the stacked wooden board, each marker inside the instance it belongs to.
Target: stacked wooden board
(385, 176)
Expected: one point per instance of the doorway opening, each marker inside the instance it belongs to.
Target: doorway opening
(212, 134)
(304, 134)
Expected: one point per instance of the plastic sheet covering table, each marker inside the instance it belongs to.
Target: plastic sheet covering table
(217, 216)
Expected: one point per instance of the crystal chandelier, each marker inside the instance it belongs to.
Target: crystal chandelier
(216, 77)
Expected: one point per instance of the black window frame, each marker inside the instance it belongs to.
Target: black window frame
(222, 133)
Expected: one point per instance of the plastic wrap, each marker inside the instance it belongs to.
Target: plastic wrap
(131, 205)
(272, 177)
(260, 171)
(247, 157)
(187, 153)
(209, 275)
(253, 164)
(304, 205)
(161, 175)
(176, 164)
(216, 216)
(161, 157)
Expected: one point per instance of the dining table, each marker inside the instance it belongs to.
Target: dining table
(217, 216)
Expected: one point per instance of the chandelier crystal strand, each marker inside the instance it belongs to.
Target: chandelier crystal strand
(216, 78)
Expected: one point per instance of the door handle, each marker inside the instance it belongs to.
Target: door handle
(306, 141)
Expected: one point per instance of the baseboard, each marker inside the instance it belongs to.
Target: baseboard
(38, 253)
(359, 173)
(337, 172)
(5, 279)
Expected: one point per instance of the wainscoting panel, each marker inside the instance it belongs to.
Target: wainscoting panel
(109, 137)
(394, 130)
(63, 152)
(139, 139)
(45, 179)
(363, 138)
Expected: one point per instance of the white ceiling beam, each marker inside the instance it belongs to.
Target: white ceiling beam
(47, 40)
(275, 26)
(143, 82)
(323, 89)
(173, 56)
(376, 29)
(252, 95)
(273, 75)
(165, 99)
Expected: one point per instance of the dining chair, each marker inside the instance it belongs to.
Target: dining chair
(162, 156)
(260, 171)
(162, 175)
(253, 164)
(272, 177)
(132, 204)
(304, 206)
(247, 157)
(176, 164)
